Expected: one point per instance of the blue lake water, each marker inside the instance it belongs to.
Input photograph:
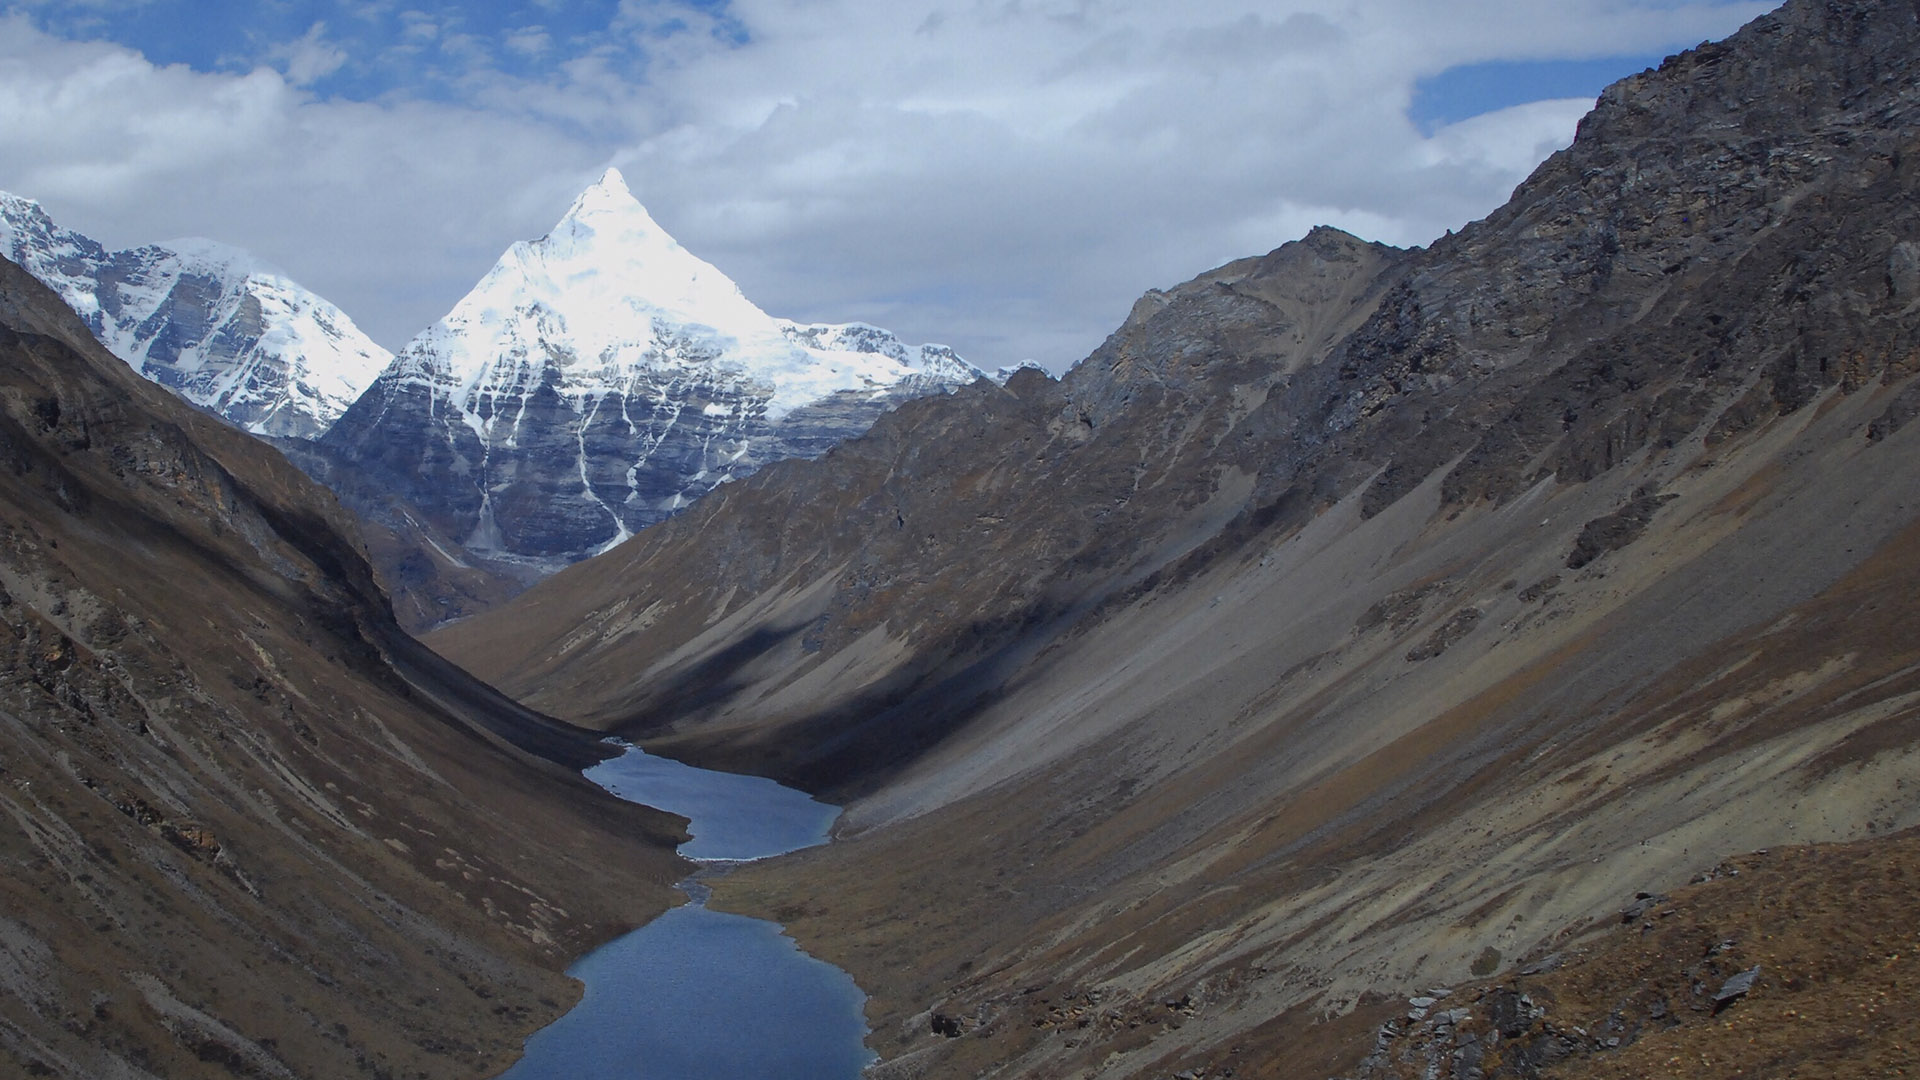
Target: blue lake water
(733, 816)
(698, 994)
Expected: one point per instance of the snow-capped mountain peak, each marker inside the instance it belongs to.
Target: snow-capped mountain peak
(607, 292)
(609, 272)
(206, 320)
(607, 217)
(601, 377)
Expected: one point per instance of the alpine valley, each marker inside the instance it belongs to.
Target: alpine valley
(1359, 625)
(1493, 660)
(252, 827)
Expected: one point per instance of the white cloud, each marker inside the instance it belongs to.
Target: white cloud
(390, 210)
(1509, 142)
(418, 27)
(1003, 174)
(1013, 175)
(530, 41)
(309, 58)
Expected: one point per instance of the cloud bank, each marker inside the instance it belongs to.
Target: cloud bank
(1002, 175)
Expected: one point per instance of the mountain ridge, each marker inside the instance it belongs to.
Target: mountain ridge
(207, 321)
(605, 334)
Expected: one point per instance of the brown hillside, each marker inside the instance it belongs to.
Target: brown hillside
(252, 829)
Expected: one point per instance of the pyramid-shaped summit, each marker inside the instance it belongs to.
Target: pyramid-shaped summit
(608, 262)
(602, 377)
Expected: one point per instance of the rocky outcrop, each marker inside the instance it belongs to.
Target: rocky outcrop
(252, 827)
(1616, 530)
(1713, 978)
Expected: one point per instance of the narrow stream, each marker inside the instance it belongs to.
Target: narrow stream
(698, 994)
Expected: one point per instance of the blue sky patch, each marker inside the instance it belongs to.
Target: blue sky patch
(369, 49)
(1470, 90)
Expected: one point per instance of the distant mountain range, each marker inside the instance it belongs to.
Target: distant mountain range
(205, 320)
(596, 381)
(1492, 661)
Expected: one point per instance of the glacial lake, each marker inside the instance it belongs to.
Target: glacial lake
(698, 994)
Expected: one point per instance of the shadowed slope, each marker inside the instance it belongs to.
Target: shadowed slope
(255, 829)
(829, 622)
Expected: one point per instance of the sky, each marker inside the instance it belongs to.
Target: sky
(1004, 176)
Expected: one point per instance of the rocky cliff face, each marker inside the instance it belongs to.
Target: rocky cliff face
(206, 321)
(599, 380)
(254, 829)
(1353, 620)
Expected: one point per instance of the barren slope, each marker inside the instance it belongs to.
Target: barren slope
(920, 564)
(253, 829)
(1786, 962)
(1350, 620)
